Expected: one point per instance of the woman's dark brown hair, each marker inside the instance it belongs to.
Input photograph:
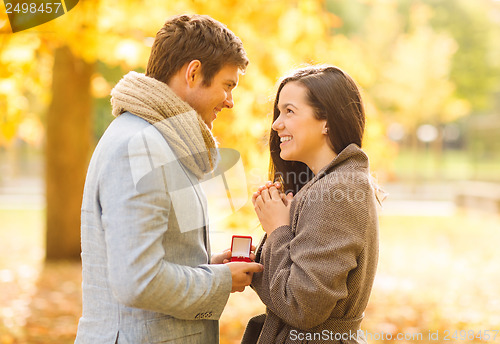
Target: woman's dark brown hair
(185, 38)
(335, 97)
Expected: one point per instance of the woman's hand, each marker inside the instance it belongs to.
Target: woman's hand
(272, 207)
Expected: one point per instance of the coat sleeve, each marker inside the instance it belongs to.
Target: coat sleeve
(305, 274)
(135, 219)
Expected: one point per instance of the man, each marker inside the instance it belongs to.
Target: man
(147, 276)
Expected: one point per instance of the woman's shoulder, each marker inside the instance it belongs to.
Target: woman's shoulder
(345, 177)
(350, 187)
(351, 157)
(349, 171)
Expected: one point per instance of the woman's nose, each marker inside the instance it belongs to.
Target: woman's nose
(277, 124)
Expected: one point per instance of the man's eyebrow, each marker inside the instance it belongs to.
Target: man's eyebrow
(231, 82)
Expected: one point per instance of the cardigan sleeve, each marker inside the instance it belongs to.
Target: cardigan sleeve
(305, 274)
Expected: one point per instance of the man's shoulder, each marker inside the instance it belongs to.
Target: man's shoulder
(126, 126)
(127, 137)
(129, 129)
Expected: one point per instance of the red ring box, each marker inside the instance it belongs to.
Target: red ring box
(241, 246)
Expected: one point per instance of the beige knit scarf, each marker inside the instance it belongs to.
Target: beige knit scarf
(185, 131)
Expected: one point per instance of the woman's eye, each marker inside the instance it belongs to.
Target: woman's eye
(289, 111)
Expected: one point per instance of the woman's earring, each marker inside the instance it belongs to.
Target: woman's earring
(326, 130)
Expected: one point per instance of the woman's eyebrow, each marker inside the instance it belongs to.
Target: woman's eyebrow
(286, 105)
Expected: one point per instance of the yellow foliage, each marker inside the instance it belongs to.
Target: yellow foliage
(393, 69)
(31, 130)
(4, 23)
(278, 36)
(415, 81)
(7, 131)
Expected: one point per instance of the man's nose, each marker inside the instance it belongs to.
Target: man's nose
(229, 103)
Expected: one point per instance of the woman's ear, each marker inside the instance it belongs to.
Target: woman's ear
(325, 130)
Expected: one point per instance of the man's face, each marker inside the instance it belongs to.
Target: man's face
(208, 101)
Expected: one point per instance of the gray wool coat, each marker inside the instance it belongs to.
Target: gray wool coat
(318, 272)
(145, 247)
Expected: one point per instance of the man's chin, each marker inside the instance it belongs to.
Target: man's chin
(209, 125)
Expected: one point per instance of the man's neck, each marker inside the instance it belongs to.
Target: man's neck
(177, 83)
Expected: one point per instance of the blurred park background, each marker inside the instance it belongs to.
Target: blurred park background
(430, 74)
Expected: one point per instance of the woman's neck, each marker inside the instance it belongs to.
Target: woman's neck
(320, 159)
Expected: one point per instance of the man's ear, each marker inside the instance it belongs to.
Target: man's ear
(193, 73)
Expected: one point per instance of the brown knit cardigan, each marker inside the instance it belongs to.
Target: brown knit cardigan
(318, 272)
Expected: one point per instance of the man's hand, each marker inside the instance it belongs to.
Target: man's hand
(242, 273)
(221, 257)
(225, 256)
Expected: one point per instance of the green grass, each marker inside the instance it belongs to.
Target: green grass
(451, 165)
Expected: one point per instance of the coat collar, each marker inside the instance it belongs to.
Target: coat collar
(353, 153)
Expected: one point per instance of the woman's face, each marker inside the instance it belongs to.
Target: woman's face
(303, 137)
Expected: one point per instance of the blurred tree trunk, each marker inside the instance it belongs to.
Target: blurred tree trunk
(415, 167)
(438, 149)
(67, 150)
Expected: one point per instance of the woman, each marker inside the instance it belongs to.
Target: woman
(321, 250)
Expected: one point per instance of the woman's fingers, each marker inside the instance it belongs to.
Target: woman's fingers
(259, 203)
(265, 195)
(254, 196)
(275, 194)
(268, 191)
